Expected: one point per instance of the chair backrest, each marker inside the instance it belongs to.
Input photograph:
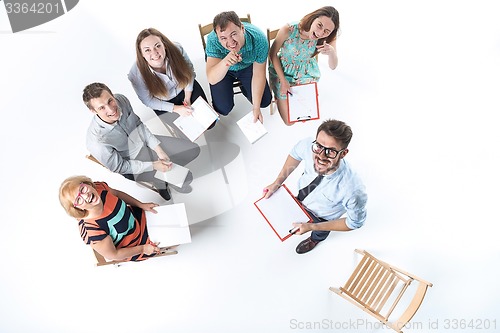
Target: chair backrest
(206, 29)
(93, 159)
(377, 288)
(101, 261)
(271, 35)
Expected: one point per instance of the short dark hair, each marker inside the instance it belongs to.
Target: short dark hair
(94, 90)
(337, 129)
(222, 20)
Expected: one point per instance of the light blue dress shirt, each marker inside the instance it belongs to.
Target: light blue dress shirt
(340, 193)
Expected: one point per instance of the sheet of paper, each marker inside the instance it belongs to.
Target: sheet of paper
(169, 226)
(303, 102)
(200, 119)
(253, 131)
(281, 210)
(175, 176)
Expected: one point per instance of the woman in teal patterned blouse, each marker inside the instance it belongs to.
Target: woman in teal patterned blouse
(293, 53)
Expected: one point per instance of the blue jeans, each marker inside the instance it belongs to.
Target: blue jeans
(223, 93)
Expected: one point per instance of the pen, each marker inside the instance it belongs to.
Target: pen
(289, 92)
(294, 230)
(188, 106)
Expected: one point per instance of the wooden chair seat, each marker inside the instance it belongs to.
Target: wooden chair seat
(101, 261)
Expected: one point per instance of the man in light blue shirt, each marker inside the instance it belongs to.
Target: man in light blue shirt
(330, 191)
(237, 51)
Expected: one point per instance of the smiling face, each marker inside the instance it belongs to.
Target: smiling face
(105, 107)
(153, 51)
(86, 197)
(321, 27)
(232, 37)
(322, 164)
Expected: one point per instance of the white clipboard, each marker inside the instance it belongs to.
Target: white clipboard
(303, 103)
(280, 210)
(253, 131)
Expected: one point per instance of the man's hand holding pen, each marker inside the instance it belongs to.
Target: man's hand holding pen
(301, 228)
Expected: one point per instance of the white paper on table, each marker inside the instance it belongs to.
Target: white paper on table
(175, 176)
(253, 131)
(200, 119)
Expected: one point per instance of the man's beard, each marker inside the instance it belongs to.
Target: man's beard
(329, 170)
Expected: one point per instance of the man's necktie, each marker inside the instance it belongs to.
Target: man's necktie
(309, 188)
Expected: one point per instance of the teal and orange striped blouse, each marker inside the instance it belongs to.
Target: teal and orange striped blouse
(126, 225)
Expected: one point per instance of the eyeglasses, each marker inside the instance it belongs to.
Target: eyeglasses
(329, 152)
(83, 189)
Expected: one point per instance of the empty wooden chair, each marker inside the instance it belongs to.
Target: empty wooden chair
(377, 287)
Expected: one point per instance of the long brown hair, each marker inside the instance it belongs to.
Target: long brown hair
(328, 11)
(180, 68)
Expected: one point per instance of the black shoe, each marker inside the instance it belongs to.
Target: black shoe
(184, 189)
(165, 194)
(306, 246)
(212, 125)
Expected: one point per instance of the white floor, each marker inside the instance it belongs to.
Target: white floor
(417, 81)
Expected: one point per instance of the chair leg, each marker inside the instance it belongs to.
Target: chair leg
(272, 107)
(171, 131)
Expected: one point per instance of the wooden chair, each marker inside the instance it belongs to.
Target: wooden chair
(374, 282)
(205, 30)
(271, 35)
(143, 183)
(101, 261)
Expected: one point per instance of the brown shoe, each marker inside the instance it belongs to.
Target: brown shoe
(306, 245)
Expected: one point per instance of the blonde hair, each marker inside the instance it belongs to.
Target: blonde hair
(66, 192)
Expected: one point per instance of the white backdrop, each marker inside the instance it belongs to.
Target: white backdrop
(417, 81)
